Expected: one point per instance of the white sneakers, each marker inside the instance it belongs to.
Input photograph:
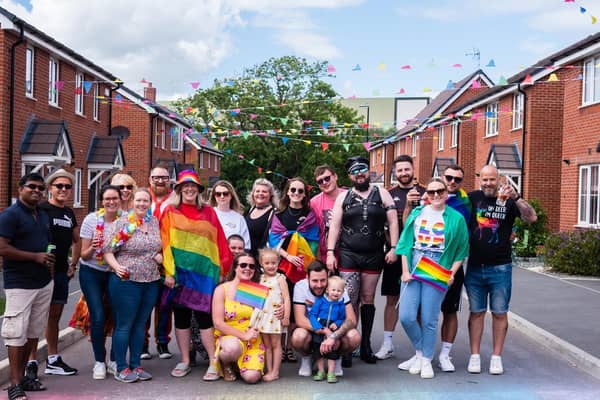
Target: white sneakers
(111, 367)
(415, 368)
(496, 365)
(426, 369)
(405, 365)
(338, 367)
(445, 363)
(386, 351)
(99, 371)
(305, 366)
(474, 366)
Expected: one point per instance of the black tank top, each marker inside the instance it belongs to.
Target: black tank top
(363, 223)
(258, 228)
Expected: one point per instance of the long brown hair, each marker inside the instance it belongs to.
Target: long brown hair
(236, 261)
(285, 200)
(234, 201)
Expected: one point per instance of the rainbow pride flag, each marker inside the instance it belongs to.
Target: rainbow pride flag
(432, 273)
(251, 294)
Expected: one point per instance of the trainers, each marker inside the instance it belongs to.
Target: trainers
(496, 365)
(163, 351)
(474, 366)
(445, 364)
(99, 371)
(415, 368)
(142, 374)
(305, 366)
(426, 369)
(405, 365)
(386, 351)
(338, 368)
(111, 367)
(59, 367)
(127, 376)
(146, 354)
(31, 371)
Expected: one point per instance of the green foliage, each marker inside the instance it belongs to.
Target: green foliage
(574, 252)
(532, 236)
(280, 95)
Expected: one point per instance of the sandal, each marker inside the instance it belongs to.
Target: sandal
(229, 374)
(211, 374)
(291, 356)
(181, 370)
(16, 392)
(32, 385)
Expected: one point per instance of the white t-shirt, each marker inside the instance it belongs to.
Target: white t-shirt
(303, 295)
(429, 230)
(87, 230)
(233, 223)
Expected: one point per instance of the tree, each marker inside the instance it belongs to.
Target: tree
(277, 117)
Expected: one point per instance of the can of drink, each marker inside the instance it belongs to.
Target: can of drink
(51, 249)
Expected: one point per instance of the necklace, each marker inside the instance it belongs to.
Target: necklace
(128, 230)
(262, 207)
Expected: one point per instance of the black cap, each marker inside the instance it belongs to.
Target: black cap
(356, 161)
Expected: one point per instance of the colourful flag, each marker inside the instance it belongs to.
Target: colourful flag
(251, 294)
(432, 273)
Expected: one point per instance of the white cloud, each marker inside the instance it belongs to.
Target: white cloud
(537, 46)
(310, 44)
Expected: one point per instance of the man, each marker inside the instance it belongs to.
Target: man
(27, 267)
(390, 284)
(489, 270)
(358, 221)
(323, 203)
(305, 293)
(65, 234)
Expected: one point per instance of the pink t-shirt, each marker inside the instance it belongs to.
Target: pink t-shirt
(323, 206)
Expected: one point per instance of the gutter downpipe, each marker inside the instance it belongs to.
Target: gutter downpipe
(523, 138)
(11, 114)
(110, 107)
(150, 142)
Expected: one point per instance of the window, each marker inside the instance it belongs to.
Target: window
(79, 93)
(96, 109)
(77, 188)
(414, 146)
(208, 157)
(216, 163)
(201, 160)
(441, 138)
(591, 75)
(176, 138)
(29, 70)
(518, 104)
(589, 205)
(454, 139)
(156, 132)
(53, 76)
(163, 135)
(491, 120)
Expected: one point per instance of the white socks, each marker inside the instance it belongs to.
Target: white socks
(445, 350)
(387, 337)
(52, 358)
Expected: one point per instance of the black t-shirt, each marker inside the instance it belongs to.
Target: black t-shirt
(27, 230)
(62, 223)
(291, 218)
(399, 196)
(491, 227)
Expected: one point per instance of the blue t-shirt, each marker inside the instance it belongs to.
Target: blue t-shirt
(26, 229)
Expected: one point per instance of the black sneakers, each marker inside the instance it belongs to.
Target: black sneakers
(31, 371)
(163, 351)
(146, 354)
(59, 367)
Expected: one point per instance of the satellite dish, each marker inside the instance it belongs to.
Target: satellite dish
(121, 132)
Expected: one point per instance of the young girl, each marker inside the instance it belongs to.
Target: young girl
(268, 325)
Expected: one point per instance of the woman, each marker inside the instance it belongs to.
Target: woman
(294, 233)
(133, 252)
(226, 203)
(127, 186)
(93, 272)
(196, 256)
(434, 238)
(237, 341)
(262, 199)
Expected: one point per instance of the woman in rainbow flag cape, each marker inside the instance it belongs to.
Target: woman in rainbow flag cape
(196, 256)
(433, 245)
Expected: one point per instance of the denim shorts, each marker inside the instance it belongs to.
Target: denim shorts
(489, 281)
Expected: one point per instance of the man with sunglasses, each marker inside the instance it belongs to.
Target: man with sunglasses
(27, 265)
(322, 203)
(65, 236)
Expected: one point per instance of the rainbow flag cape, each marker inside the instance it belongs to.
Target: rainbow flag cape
(251, 294)
(432, 273)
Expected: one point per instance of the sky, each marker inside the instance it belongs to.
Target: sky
(174, 44)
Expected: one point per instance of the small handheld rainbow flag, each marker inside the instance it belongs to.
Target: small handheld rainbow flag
(252, 294)
(432, 273)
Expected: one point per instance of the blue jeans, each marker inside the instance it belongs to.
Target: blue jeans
(418, 295)
(489, 281)
(94, 285)
(132, 303)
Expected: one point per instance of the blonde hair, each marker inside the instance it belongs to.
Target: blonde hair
(264, 182)
(125, 179)
(336, 280)
(176, 200)
(265, 251)
(234, 201)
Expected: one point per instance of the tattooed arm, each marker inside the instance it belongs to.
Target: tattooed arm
(527, 212)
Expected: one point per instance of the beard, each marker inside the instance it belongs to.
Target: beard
(362, 186)
(489, 192)
(404, 180)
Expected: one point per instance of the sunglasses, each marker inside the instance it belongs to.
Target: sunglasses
(61, 186)
(33, 186)
(299, 190)
(439, 192)
(450, 178)
(128, 187)
(247, 265)
(325, 179)
(359, 171)
(222, 194)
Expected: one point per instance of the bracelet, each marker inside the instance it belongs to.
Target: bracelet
(331, 250)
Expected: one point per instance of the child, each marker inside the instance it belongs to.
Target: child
(236, 244)
(326, 316)
(268, 325)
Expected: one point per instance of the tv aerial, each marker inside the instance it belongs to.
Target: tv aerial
(475, 55)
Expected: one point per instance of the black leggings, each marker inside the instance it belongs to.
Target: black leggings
(183, 318)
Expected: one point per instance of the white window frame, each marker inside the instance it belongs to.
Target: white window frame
(208, 161)
(53, 77)
(414, 145)
(163, 135)
(29, 71)
(454, 136)
(77, 188)
(176, 139)
(201, 159)
(96, 107)
(79, 77)
(491, 123)
(518, 107)
(156, 132)
(590, 93)
(440, 138)
(216, 163)
(588, 213)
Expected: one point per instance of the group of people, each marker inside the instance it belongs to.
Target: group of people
(190, 257)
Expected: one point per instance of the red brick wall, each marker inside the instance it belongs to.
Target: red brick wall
(467, 143)
(4, 105)
(423, 161)
(136, 146)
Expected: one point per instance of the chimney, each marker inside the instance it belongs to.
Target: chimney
(150, 92)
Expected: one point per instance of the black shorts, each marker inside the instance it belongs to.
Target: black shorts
(183, 318)
(60, 294)
(315, 348)
(361, 262)
(451, 303)
(290, 286)
(390, 282)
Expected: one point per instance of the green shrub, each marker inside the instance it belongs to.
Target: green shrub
(530, 237)
(575, 253)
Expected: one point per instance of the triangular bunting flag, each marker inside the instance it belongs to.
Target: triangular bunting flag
(401, 91)
(284, 140)
(527, 80)
(195, 85)
(367, 145)
(475, 84)
(491, 63)
(356, 68)
(450, 84)
(553, 78)
(59, 85)
(594, 20)
(346, 147)
(87, 86)
(324, 146)
(502, 81)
